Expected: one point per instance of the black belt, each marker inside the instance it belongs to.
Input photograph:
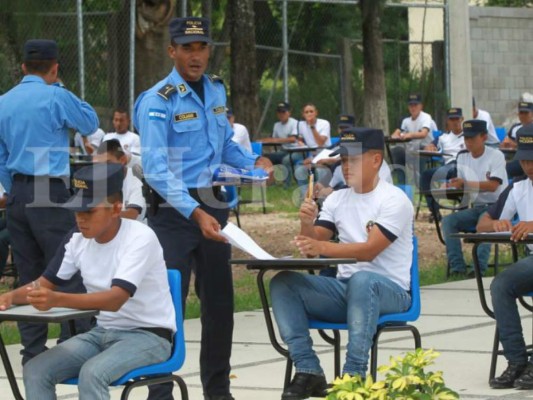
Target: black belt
(161, 332)
(203, 194)
(33, 178)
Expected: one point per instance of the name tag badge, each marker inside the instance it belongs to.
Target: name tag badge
(186, 116)
(219, 110)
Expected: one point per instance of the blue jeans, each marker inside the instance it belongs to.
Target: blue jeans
(463, 221)
(98, 357)
(358, 301)
(506, 287)
(444, 172)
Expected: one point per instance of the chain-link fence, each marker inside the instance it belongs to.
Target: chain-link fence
(94, 46)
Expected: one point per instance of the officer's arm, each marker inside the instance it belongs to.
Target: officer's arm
(152, 119)
(75, 113)
(5, 176)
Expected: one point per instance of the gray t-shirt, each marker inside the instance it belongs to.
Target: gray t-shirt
(283, 131)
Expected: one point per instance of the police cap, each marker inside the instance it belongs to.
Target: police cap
(189, 30)
(355, 141)
(474, 127)
(40, 49)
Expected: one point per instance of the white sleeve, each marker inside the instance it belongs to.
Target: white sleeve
(324, 129)
(326, 218)
(497, 167)
(395, 214)
(134, 197)
(246, 139)
(426, 122)
(509, 208)
(69, 265)
(135, 144)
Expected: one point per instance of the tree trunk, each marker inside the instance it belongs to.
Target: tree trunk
(243, 81)
(375, 95)
(219, 52)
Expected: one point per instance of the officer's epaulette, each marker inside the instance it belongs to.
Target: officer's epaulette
(166, 91)
(215, 78)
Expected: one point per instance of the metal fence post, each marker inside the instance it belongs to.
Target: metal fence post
(81, 48)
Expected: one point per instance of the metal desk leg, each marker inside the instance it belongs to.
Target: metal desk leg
(292, 166)
(9, 371)
(479, 281)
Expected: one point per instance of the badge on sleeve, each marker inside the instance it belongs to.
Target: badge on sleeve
(156, 114)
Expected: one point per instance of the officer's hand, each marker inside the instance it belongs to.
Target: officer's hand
(42, 299)
(521, 230)
(501, 225)
(208, 225)
(266, 164)
(308, 212)
(6, 300)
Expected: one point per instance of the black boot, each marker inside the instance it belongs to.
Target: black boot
(525, 381)
(304, 386)
(509, 376)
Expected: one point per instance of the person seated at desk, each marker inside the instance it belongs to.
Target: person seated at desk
(418, 129)
(284, 131)
(450, 143)
(482, 169)
(122, 265)
(517, 280)
(240, 133)
(375, 221)
(129, 141)
(525, 116)
(134, 203)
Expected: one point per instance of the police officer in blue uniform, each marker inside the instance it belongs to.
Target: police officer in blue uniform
(185, 135)
(35, 117)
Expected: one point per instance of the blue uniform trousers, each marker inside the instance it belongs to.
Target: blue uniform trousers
(37, 229)
(185, 248)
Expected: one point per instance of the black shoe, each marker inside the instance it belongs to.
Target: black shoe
(304, 386)
(218, 397)
(509, 377)
(525, 381)
(458, 274)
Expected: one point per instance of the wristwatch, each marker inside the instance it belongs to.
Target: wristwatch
(312, 127)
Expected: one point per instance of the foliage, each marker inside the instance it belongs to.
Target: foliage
(509, 3)
(405, 379)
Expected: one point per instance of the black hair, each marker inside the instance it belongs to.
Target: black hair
(111, 146)
(39, 66)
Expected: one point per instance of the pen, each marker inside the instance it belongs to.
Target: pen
(310, 188)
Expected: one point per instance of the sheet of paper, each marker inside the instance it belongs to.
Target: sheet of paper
(240, 239)
(326, 153)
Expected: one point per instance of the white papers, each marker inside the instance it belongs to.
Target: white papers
(241, 240)
(326, 153)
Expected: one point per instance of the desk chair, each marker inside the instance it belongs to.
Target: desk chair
(162, 372)
(257, 148)
(386, 323)
(501, 133)
(232, 198)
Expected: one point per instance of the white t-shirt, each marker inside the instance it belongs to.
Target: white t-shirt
(489, 166)
(96, 138)
(485, 116)
(132, 191)
(514, 129)
(423, 120)
(516, 199)
(353, 214)
(132, 260)
(338, 177)
(452, 144)
(323, 128)
(241, 136)
(283, 131)
(129, 141)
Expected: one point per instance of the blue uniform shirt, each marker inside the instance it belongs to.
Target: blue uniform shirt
(184, 140)
(34, 122)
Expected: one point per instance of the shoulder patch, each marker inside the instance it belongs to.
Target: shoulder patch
(166, 91)
(215, 78)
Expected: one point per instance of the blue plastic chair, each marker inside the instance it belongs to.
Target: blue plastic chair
(257, 148)
(161, 372)
(386, 323)
(335, 141)
(501, 133)
(232, 198)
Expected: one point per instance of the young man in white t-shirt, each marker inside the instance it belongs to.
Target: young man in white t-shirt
(284, 131)
(240, 133)
(481, 172)
(417, 131)
(450, 144)
(122, 266)
(130, 141)
(134, 203)
(517, 280)
(374, 220)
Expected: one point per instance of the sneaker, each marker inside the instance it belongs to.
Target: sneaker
(304, 386)
(509, 377)
(525, 381)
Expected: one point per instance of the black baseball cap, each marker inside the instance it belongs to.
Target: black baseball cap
(524, 140)
(40, 49)
(283, 106)
(189, 30)
(455, 112)
(355, 141)
(93, 184)
(414, 98)
(345, 121)
(474, 127)
(525, 106)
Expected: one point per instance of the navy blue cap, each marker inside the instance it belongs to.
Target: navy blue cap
(40, 49)
(93, 184)
(355, 141)
(414, 98)
(229, 112)
(524, 140)
(345, 120)
(283, 106)
(525, 106)
(455, 112)
(474, 127)
(189, 30)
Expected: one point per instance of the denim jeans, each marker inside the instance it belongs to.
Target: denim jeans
(463, 221)
(437, 174)
(506, 287)
(358, 301)
(98, 358)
